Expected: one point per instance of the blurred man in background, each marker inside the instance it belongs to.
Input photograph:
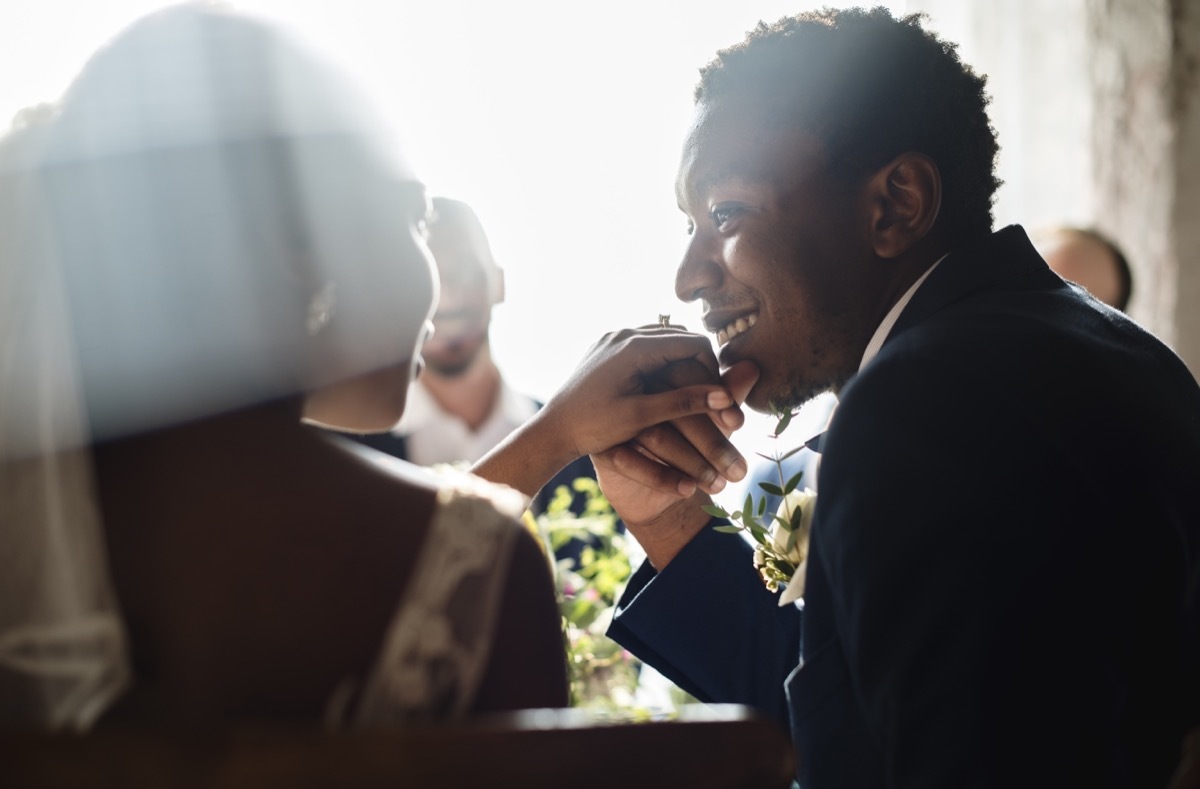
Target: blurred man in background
(461, 406)
(1088, 258)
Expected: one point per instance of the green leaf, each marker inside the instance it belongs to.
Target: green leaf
(772, 488)
(797, 517)
(783, 423)
(715, 511)
(793, 482)
(759, 535)
(727, 529)
(762, 506)
(748, 507)
(791, 542)
(790, 452)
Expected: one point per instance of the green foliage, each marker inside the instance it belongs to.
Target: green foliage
(771, 561)
(603, 675)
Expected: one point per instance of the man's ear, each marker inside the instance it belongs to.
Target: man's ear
(495, 278)
(905, 196)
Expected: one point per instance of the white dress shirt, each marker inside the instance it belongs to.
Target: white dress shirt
(436, 436)
(889, 320)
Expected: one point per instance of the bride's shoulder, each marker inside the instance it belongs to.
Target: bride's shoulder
(453, 486)
(458, 485)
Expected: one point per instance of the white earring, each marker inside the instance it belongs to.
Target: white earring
(320, 309)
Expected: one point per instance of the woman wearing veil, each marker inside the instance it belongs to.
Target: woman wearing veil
(212, 250)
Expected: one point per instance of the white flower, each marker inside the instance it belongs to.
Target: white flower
(795, 587)
(794, 547)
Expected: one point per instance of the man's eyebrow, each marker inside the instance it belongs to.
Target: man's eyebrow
(727, 176)
(711, 181)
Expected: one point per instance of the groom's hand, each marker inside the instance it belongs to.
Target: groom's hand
(636, 476)
(616, 395)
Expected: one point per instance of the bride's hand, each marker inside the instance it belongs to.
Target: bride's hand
(637, 477)
(613, 396)
(635, 381)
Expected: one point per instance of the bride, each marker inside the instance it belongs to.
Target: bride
(212, 251)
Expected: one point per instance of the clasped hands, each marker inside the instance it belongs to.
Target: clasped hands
(653, 410)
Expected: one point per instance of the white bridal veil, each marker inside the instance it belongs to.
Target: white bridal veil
(203, 225)
(62, 648)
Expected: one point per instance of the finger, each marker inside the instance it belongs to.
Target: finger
(711, 442)
(641, 448)
(657, 348)
(632, 462)
(689, 371)
(739, 378)
(650, 409)
(729, 420)
(666, 444)
(632, 415)
(684, 372)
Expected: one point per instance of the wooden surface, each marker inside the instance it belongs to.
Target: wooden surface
(706, 747)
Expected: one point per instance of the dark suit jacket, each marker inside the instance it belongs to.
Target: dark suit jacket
(1003, 578)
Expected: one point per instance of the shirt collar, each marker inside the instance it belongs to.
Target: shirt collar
(889, 320)
(421, 409)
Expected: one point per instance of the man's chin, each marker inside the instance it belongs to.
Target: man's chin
(782, 399)
(447, 369)
(760, 402)
(450, 365)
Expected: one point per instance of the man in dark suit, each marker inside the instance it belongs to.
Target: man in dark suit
(1003, 570)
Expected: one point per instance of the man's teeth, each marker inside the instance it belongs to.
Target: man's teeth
(736, 328)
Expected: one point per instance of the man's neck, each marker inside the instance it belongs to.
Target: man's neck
(471, 395)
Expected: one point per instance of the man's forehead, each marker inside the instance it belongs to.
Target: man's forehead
(732, 141)
(461, 250)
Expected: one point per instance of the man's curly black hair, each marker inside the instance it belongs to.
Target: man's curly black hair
(872, 86)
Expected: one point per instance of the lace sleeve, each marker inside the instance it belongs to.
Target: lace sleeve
(440, 639)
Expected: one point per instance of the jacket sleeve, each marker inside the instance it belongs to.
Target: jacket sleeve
(708, 624)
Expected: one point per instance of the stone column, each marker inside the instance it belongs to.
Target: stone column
(1146, 156)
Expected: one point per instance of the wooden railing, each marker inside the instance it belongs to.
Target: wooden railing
(704, 747)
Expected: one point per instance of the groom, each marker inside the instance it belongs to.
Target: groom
(1003, 577)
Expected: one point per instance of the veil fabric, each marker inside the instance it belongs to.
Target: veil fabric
(208, 186)
(63, 656)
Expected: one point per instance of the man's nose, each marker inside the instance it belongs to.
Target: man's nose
(699, 271)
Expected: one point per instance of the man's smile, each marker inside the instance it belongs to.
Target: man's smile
(726, 328)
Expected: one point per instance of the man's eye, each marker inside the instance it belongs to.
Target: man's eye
(722, 213)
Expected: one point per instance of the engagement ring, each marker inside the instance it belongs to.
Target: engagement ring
(664, 320)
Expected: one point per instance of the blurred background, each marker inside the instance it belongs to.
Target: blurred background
(560, 123)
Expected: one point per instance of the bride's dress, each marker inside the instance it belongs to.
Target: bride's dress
(440, 638)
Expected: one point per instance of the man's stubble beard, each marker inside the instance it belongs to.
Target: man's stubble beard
(450, 371)
(794, 391)
(795, 396)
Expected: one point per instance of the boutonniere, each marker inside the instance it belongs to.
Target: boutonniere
(781, 538)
